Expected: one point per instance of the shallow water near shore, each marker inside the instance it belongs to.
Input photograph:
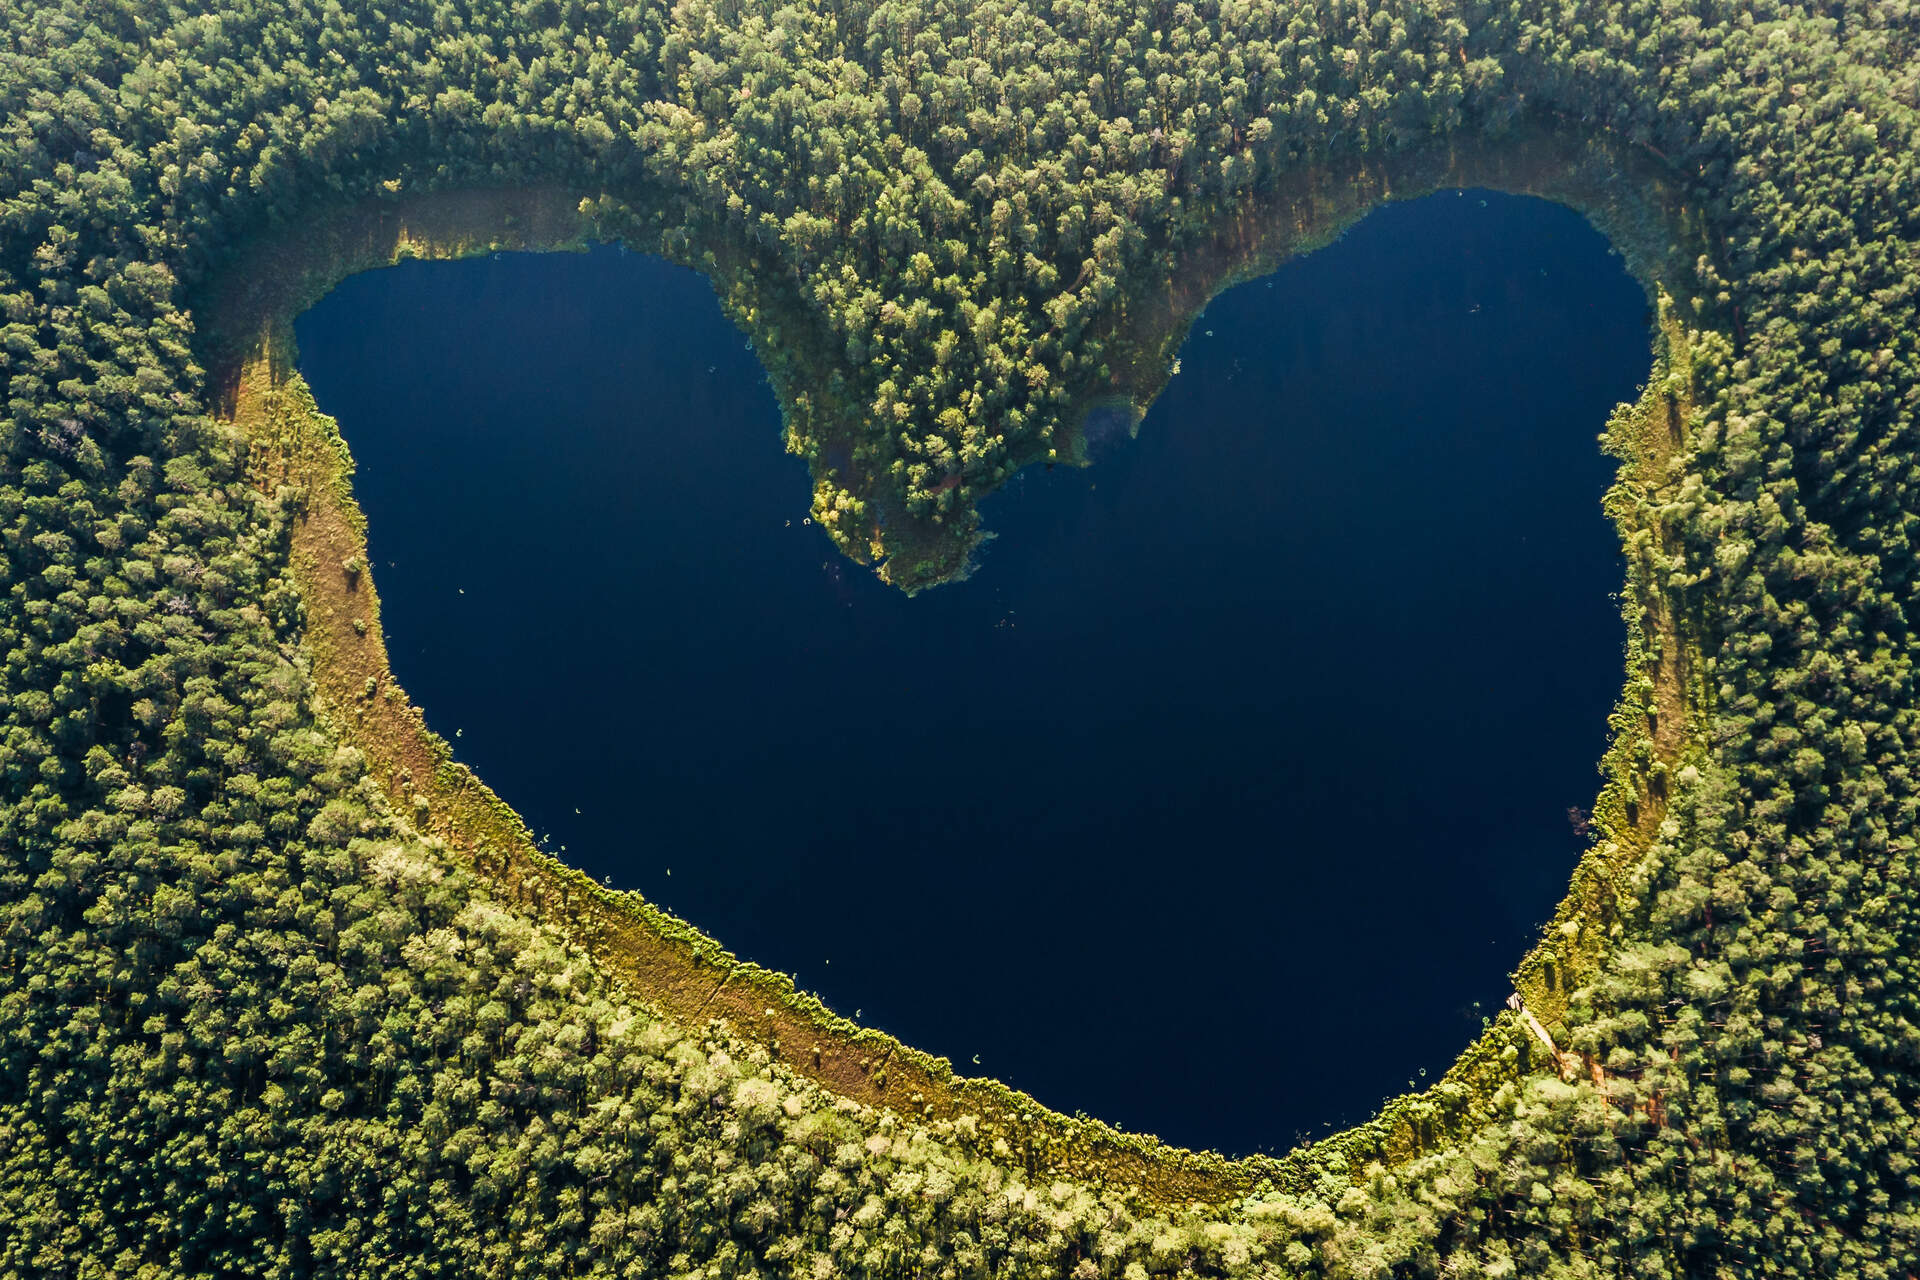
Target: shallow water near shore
(1218, 803)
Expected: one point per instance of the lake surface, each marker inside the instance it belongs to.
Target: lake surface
(1219, 803)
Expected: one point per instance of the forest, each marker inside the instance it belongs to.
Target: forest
(263, 1010)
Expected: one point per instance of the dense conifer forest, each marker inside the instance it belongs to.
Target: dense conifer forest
(262, 1014)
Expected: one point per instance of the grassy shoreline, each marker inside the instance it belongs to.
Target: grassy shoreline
(691, 978)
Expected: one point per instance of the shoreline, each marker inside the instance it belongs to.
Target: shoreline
(690, 977)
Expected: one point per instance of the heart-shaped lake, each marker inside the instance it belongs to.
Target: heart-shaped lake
(1218, 803)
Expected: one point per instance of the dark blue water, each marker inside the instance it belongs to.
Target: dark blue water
(1211, 805)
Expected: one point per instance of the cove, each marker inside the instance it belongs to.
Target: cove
(1222, 798)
